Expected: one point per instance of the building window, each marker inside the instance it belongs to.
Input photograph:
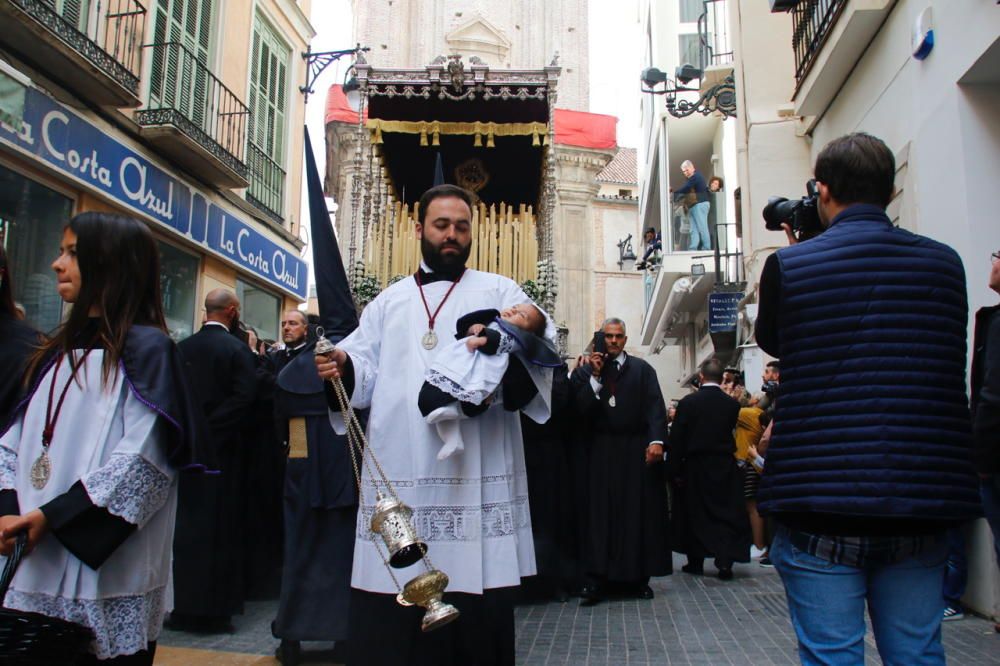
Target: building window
(32, 218)
(688, 50)
(174, 82)
(259, 309)
(691, 10)
(178, 283)
(269, 60)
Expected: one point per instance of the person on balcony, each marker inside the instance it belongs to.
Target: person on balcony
(697, 189)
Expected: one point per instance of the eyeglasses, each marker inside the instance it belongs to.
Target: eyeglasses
(995, 257)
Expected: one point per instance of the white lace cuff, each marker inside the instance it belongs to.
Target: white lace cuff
(8, 469)
(128, 486)
(121, 625)
(475, 396)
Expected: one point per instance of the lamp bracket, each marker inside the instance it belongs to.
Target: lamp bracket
(317, 62)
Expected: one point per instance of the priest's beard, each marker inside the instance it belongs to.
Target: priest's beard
(449, 264)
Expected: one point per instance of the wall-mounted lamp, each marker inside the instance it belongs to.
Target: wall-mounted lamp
(697, 269)
(626, 255)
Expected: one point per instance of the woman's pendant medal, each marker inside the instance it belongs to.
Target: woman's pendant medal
(40, 470)
(611, 401)
(430, 339)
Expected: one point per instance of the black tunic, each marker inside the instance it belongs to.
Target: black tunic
(710, 518)
(320, 514)
(208, 539)
(626, 537)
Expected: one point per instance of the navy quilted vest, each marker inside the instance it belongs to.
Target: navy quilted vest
(872, 417)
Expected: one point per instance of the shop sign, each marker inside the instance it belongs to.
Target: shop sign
(723, 311)
(73, 146)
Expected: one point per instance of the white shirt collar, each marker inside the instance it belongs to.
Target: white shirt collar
(710, 384)
(620, 359)
(216, 323)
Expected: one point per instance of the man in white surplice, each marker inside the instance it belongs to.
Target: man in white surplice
(471, 509)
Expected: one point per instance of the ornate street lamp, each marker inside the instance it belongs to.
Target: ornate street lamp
(719, 98)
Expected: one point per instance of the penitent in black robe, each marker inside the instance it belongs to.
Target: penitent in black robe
(710, 518)
(626, 536)
(209, 558)
(320, 514)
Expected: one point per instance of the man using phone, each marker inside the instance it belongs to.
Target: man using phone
(626, 540)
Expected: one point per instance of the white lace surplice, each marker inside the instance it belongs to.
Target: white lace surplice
(472, 510)
(111, 441)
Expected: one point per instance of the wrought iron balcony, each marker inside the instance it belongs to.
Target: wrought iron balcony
(194, 118)
(812, 22)
(97, 54)
(715, 49)
(267, 184)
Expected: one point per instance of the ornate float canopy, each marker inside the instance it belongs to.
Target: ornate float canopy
(489, 130)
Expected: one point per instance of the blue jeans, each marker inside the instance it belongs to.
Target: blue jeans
(989, 491)
(826, 602)
(956, 572)
(700, 240)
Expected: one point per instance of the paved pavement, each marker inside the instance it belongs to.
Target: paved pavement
(692, 620)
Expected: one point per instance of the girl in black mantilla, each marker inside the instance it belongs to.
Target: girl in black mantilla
(88, 463)
(19, 340)
(462, 379)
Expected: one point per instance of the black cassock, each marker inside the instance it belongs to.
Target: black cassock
(626, 536)
(710, 518)
(320, 513)
(209, 552)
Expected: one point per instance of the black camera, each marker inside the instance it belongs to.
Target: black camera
(802, 215)
(770, 387)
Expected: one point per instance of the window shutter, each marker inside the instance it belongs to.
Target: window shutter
(268, 78)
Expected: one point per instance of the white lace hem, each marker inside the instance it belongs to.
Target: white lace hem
(508, 343)
(121, 625)
(128, 486)
(452, 388)
(8, 469)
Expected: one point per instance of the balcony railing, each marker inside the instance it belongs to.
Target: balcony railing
(109, 38)
(713, 35)
(184, 93)
(267, 184)
(812, 21)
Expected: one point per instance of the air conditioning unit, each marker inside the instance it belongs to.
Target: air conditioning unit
(782, 5)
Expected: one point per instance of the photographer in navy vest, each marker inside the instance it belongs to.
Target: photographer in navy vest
(869, 460)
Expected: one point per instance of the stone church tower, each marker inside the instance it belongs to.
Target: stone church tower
(505, 35)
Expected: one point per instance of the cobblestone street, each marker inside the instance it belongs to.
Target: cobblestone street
(692, 620)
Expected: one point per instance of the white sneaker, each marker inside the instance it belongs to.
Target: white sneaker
(756, 552)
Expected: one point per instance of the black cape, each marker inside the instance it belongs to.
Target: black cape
(320, 513)
(550, 494)
(626, 539)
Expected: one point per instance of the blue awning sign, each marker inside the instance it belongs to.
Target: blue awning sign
(75, 147)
